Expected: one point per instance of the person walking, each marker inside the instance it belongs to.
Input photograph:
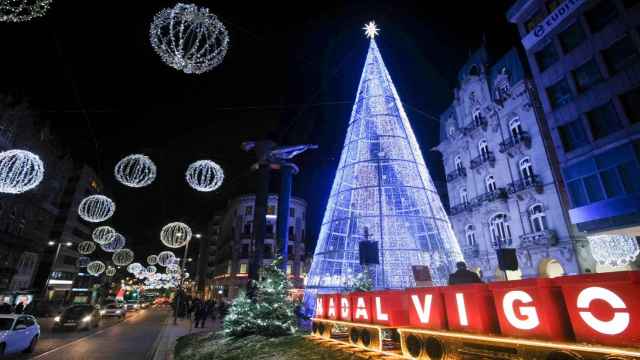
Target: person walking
(19, 308)
(200, 313)
(463, 276)
(5, 308)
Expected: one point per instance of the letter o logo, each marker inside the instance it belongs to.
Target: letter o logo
(615, 326)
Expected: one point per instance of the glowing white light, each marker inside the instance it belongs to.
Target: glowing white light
(103, 234)
(152, 259)
(204, 175)
(528, 318)
(134, 268)
(189, 38)
(462, 310)
(613, 250)
(86, 247)
(151, 269)
(361, 310)
(82, 262)
(135, 170)
(96, 208)
(20, 170)
(620, 321)
(379, 314)
(117, 243)
(23, 10)
(344, 308)
(371, 29)
(110, 271)
(165, 258)
(172, 269)
(96, 268)
(423, 311)
(175, 234)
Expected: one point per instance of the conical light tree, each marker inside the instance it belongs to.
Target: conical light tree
(382, 188)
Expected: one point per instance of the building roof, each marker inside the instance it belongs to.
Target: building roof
(479, 58)
(512, 64)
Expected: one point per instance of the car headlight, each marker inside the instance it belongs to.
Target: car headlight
(102, 312)
(56, 319)
(118, 311)
(87, 318)
(136, 306)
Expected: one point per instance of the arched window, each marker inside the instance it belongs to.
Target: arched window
(452, 131)
(483, 149)
(538, 218)
(490, 183)
(464, 196)
(470, 234)
(458, 163)
(476, 115)
(500, 230)
(516, 128)
(526, 169)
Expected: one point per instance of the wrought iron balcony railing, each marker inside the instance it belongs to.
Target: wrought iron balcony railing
(544, 238)
(459, 208)
(485, 158)
(471, 251)
(498, 194)
(457, 173)
(523, 137)
(480, 122)
(532, 181)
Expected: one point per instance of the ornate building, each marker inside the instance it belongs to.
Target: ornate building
(502, 190)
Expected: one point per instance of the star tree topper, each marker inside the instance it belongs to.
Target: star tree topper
(371, 29)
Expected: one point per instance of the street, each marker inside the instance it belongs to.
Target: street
(133, 338)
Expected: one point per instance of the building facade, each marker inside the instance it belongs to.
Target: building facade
(232, 234)
(502, 190)
(585, 60)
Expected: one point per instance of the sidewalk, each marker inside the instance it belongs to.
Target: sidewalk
(166, 341)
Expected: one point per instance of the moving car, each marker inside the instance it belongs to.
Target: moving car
(18, 333)
(113, 310)
(133, 305)
(77, 317)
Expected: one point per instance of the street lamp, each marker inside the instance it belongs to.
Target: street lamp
(53, 264)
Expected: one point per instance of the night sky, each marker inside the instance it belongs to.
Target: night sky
(290, 74)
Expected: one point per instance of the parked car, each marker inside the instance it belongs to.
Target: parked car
(113, 310)
(18, 333)
(144, 304)
(77, 317)
(133, 305)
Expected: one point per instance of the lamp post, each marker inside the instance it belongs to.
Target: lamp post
(53, 264)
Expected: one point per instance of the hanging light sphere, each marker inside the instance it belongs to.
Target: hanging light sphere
(151, 269)
(189, 38)
(152, 259)
(86, 247)
(134, 268)
(20, 170)
(173, 269)
(82, 262)
(22, 10)
(135, 171)
(117, 243)
(175, 234)
(96, 268)
(204, 175)
(613, 250)
(110, 271)
(96, 208)
(165, 258)
(103, 234)
(122, 257)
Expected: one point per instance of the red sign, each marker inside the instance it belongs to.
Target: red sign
(426, 308)
(333, 306)
(361, 307)
(470, 308)
(390, 308)
(345, 307)
(531, 308)
(321, 306)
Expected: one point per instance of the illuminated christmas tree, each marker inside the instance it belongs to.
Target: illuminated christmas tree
(383, 189)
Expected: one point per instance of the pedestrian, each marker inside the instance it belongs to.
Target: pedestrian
(5, 308)
(19, 308)
(200, 312)
(211, 308)
(463, 276)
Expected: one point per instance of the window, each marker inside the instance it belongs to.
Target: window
(559, 93)
(271, 210)
(292, 212)
(620, 55)
(452, 131)
(538, 218)
(631, 103)
(248, 210)
(601, 15)
(534, 20)
(483, 149)
(516, 128)
(289, 268)
(526, 169)
(292, 234)
(246, 229)
(490, 183)
(464, 196)
(245, 251)
(603, 121)
(458, 163)
(477, 116)
(290, 251)
(243, 268)
(572, 135)
(546, 57)
(269, 229)
(587, 75)
(572, 37)
(500, 230)
(577, 194)
(470, 234)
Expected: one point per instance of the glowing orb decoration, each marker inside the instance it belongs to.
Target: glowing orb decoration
(152, 259)
(103, 234)
(165, 258)
(135, 171)
(204, 175)
(117, 243)
(110, 271)
(82, 262)
(96, 208)
(86, 247)
(613, 250)
(22, 10)
(175, 234)
(173, 269)
(96, 268)
(151, 269)
(189, 38)
(122, 257)
(20, 170)
(134, 268)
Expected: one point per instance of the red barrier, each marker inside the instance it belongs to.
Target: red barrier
(345, 307)
(321, 306)
(531, 308)
(390, 308)
(361, 307)
(333, 306)
(470, 308)
(426, 308)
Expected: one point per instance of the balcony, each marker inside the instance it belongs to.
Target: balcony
(526, 183)
(481, 122)
(456, 174)
(457, 209)
(544, 238)
(471, 251)
(523, 138)
(486, 158)
(490, 196)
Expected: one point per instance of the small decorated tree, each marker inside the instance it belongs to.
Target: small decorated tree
(240, 321)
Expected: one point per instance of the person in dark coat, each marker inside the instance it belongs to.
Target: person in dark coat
(200, 312)
(463, 276)
(6, 308)
(19, 308)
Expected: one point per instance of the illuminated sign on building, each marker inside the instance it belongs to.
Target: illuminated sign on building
(552, 21)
